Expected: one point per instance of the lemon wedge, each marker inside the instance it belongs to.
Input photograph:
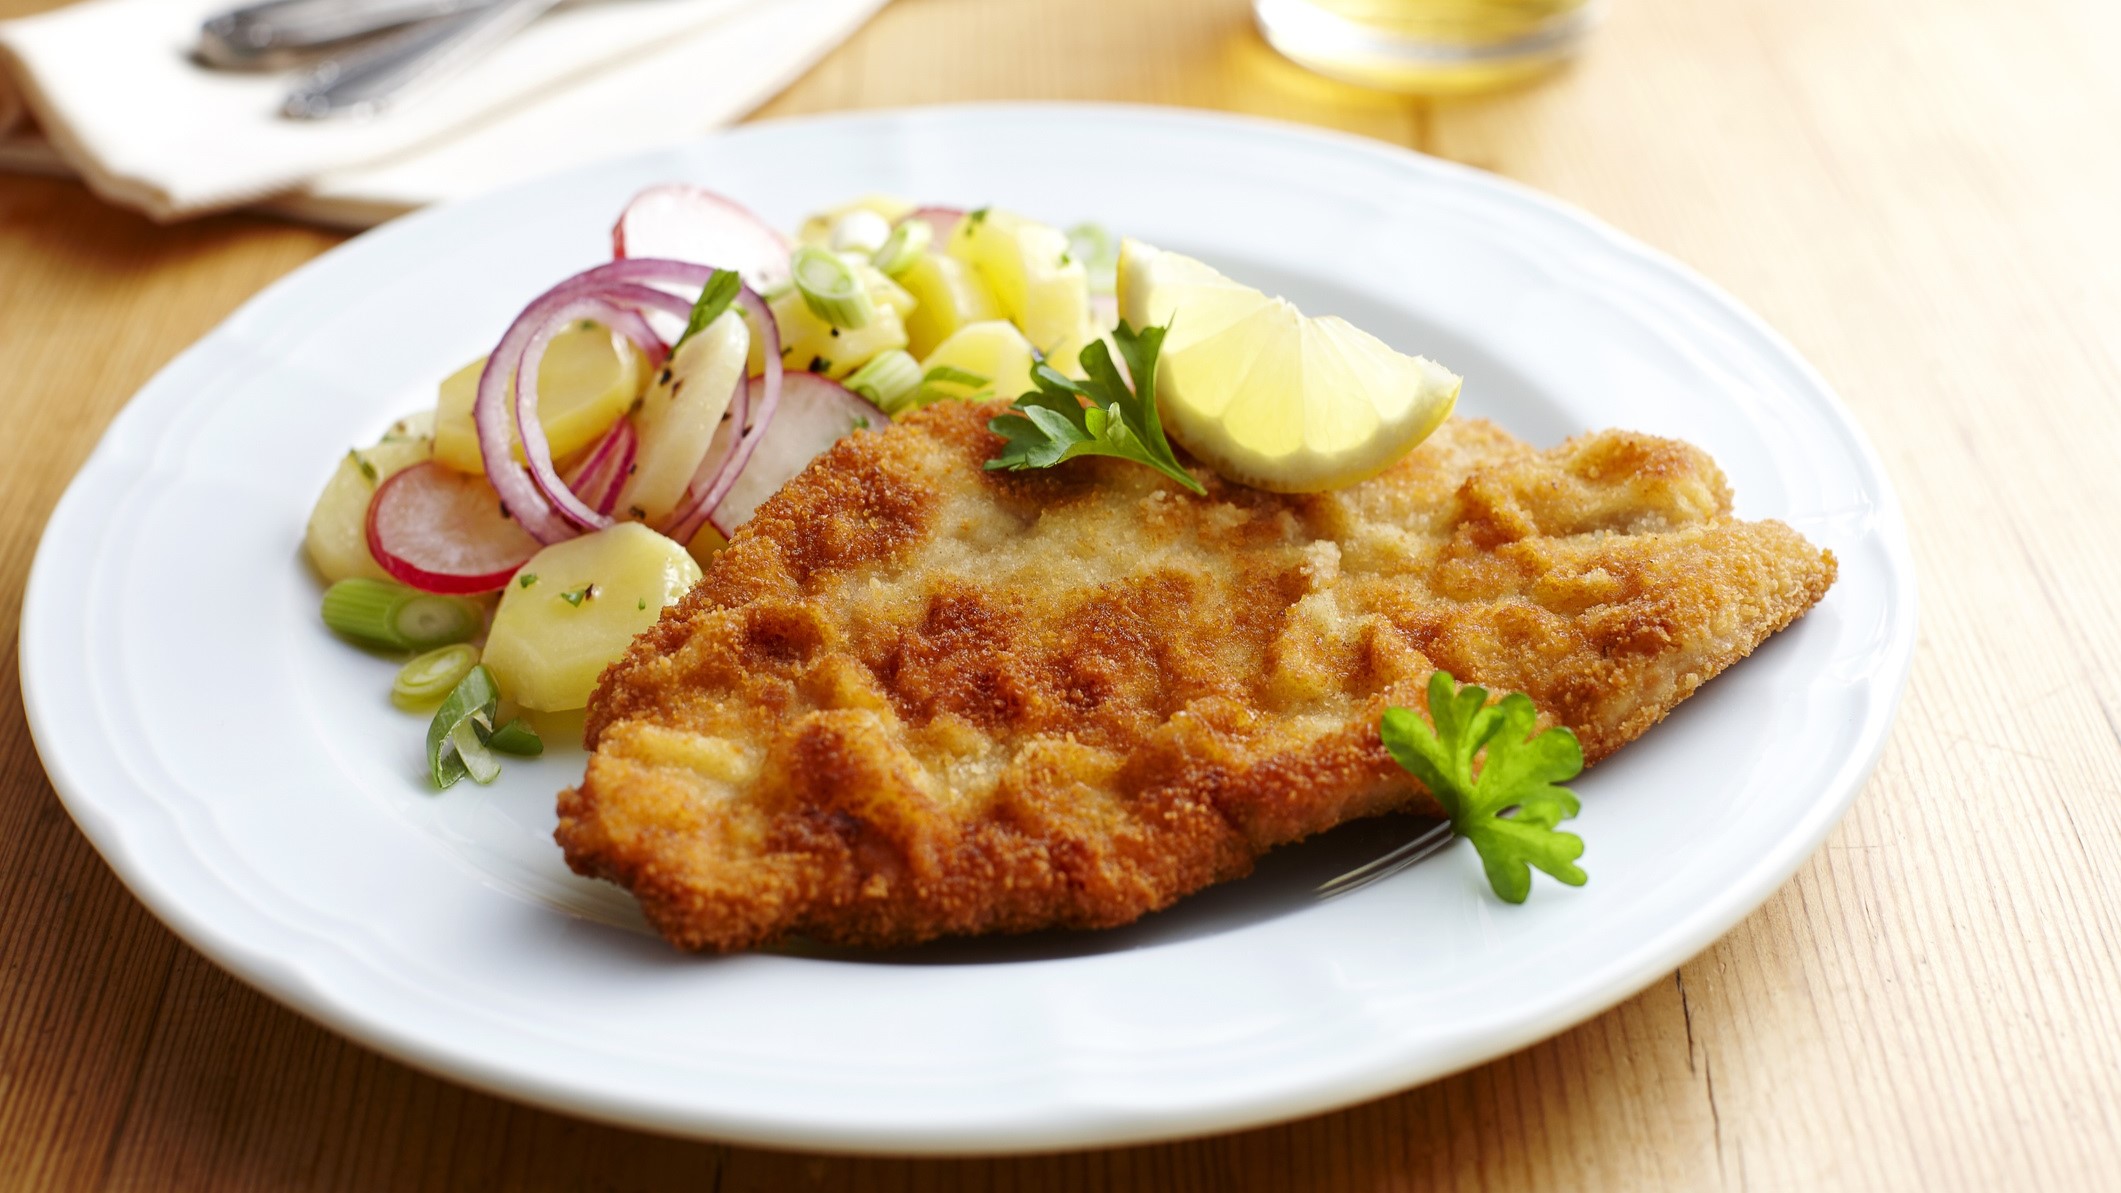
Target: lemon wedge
(1268, 396)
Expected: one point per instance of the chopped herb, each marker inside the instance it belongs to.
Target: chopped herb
(819, 364)
(861, 422)
(1051, 424)
(642, 603)
(977, 216)
(361, 462)
(526, 579)
(579, 595)
(1510, 811)
(721, 290)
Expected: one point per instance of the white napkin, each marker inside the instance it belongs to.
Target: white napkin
(122, 104)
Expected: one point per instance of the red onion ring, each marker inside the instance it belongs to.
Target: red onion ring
(632, 326)
(598, 477)
(535, 494)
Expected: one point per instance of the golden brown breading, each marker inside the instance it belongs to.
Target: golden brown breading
(914, 698)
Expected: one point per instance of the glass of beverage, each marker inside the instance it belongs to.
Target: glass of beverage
(1436, 47)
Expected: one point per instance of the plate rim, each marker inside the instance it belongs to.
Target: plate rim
(1766, 874)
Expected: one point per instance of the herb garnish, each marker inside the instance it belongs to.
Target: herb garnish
(576, 597)
(1509, 813)
(526, 579)
(715, 297)
(1051, 424)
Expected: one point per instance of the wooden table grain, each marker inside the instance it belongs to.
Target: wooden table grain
(1922, 196)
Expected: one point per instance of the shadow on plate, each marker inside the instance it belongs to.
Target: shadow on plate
(1285, 881)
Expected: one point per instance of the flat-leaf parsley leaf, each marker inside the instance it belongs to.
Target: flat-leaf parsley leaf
(1051, 424)
(1510, 811)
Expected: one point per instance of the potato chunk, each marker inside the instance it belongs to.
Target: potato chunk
(337, 539)
(588, 380)
(575, 607)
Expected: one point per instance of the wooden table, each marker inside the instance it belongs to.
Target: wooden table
(1921, 195)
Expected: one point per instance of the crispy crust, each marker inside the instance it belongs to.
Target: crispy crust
(915, 698)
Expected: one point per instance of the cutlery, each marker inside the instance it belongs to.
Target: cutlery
(278, 33)
(370, 77)
(1391, 863)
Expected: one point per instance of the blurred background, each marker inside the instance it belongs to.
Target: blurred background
(346, 112)
(1918, 195)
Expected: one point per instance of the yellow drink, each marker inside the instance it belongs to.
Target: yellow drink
(1439, 47)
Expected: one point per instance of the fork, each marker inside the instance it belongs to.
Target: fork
(1434, 839)
(363, 81)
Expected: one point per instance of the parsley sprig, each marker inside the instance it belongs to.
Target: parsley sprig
(1051, 424)
(1510, 811)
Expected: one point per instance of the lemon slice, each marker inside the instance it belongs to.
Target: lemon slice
(1268, 396)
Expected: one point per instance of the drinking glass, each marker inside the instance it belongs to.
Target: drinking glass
(1435, 47)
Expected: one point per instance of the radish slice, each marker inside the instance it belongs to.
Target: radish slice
(687, 223)
(815, 414)
(942, 219)
(441, 531)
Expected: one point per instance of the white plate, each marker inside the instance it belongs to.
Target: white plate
(246, 776)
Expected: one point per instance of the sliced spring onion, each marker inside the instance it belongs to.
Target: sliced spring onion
(889, 379)
(394, 617)
(860, 231)
(1098, 250)
(905, 246)
(478, 761)
(432, 676)
(517, 737)
(947, 375)
(469, 708)
(831, 289)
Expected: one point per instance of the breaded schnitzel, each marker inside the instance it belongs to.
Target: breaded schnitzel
(914, 698)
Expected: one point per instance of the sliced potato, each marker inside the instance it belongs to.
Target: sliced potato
(679, 414)
(587, 381)
(949, 295)
(575, 607)
(994, 351)
(1038, 283)
(810, 343)
(337, 539)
